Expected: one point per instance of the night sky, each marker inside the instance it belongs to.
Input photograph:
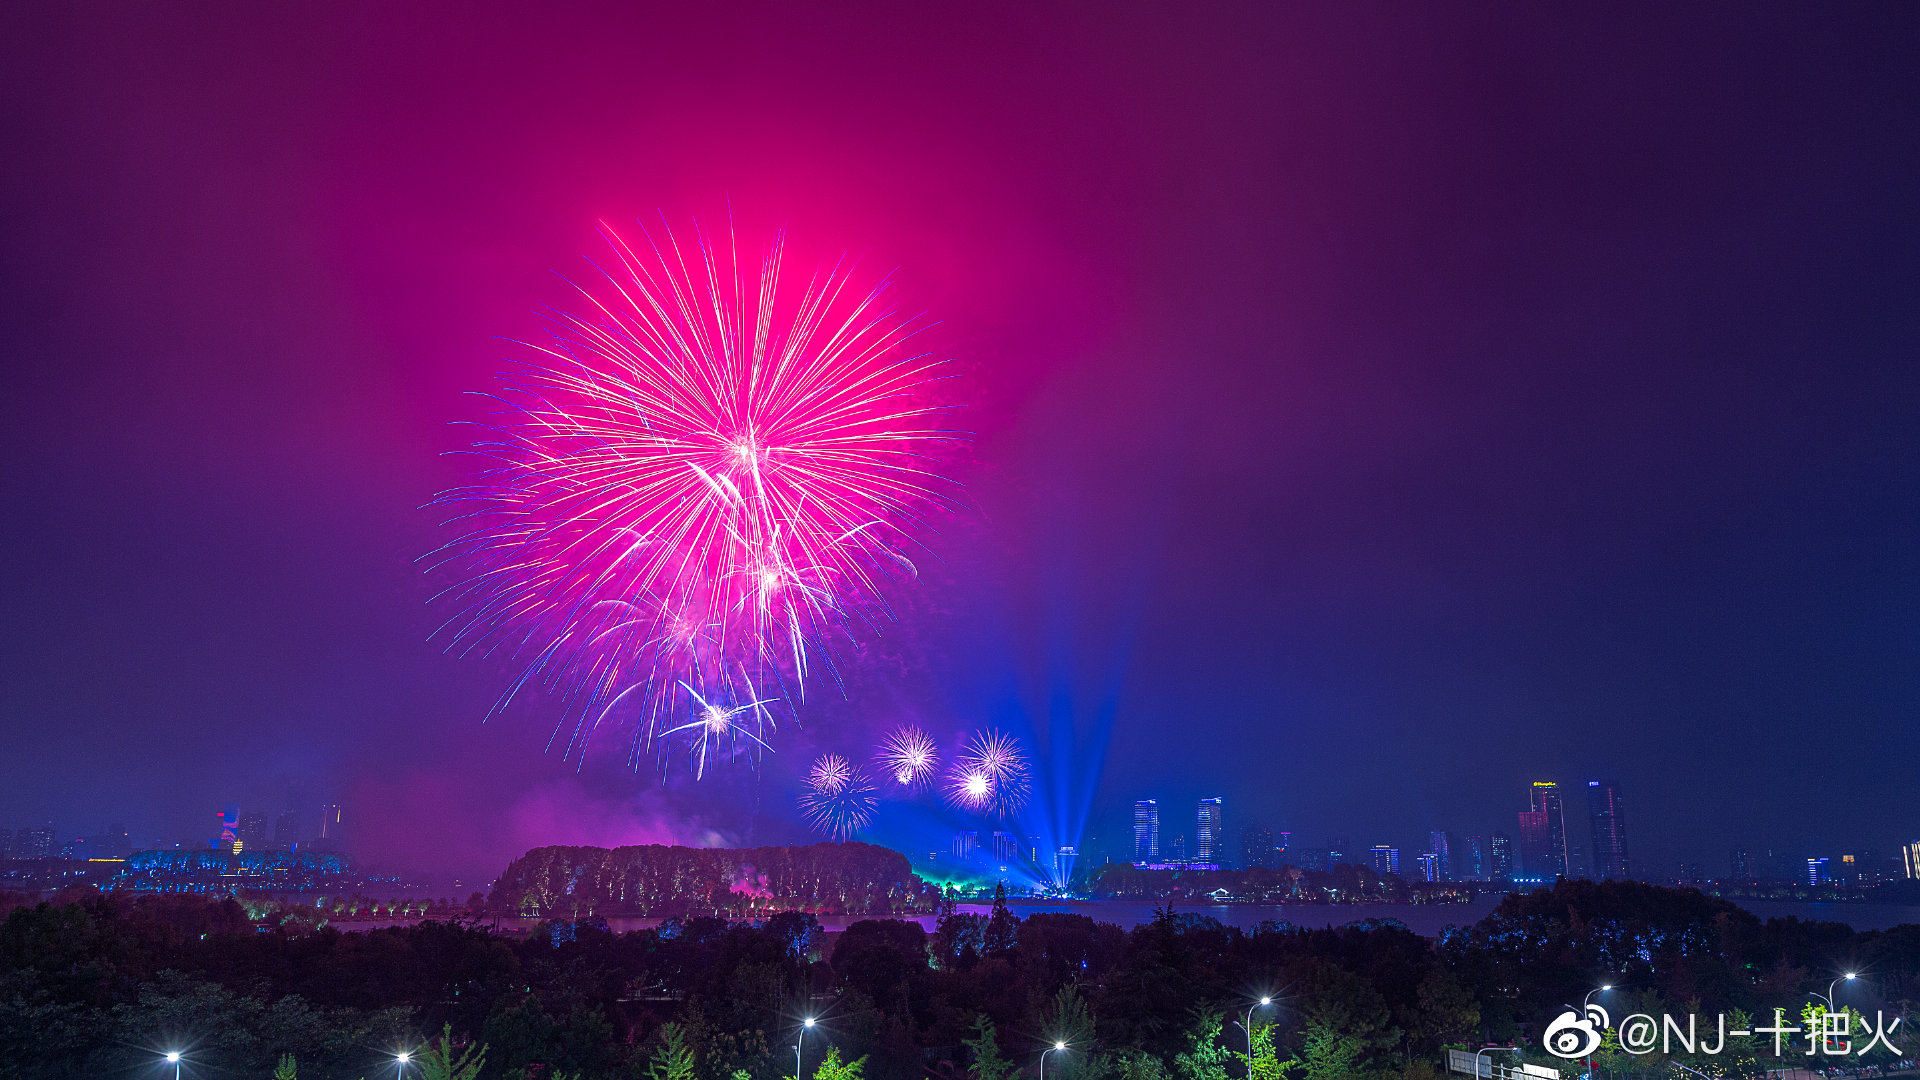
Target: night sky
(1374, 408)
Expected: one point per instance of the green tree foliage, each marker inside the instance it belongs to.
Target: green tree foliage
(1262, 1061)
(439, 1061)
(673, 1059)
(832, 1068)
(288, 1069)
(1204, 1058)
(984, 1046)
(1327, 1054)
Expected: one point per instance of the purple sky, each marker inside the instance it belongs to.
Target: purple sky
(1376, 409)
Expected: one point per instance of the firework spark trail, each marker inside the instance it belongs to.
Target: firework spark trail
(990, 774)
(908, 757)
(697, 486)
(839, 799)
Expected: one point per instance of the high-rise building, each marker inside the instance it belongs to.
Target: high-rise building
(1476, 866)
(1609, 819)
(1256, 846)
(41, 843)
(6, 844)
(1208, 833)
(1179, 849)
(1545, 796)
(965, 843)
(1146, 831)
(1817, 871)
(1006, 847)
(1339, 850)
(252, 832)
(1429, 865)
(1536, 847)
(1282, 848)
(1910, 859)
(228, 823)
(1741, 864)
(1386, 860)
(286, 830)
(329, 837)
(1440, 842)
(1499, 856)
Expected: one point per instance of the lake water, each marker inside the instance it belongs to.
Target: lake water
(1424, 919)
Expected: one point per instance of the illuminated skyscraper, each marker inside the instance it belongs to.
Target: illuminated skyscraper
(1536, 849)
(1006, 847)
(1609, 829)
(1545, 796)
(1909, 858)
(1386, 860)
(1499, 856)
(1208, 834)
(35, 843)
(1146, 831)
(1476, 865)
(1441, 843)
(965, 843)
(1742, 865)
(228, 821)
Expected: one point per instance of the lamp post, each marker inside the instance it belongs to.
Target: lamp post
(798, 1043)
(1061, 1045)
(173, 1059)
(1828, 996)
(1483, 1050)
(1247, 1030)
(402, 1058)
(1583, 1012)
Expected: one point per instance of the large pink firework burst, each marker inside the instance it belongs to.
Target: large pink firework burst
(695, 488)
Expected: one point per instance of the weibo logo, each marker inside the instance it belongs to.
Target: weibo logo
(1572, 1035)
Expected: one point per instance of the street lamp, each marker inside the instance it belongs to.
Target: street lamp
(1483, 1050)
(1061, 1045)
(402, 1058)
(1590, 993)
(1247, 1029)
(173, 1059)
(798, 1043)
(1828, 996)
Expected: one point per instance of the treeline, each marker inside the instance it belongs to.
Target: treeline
(838, 879)
(96, 987)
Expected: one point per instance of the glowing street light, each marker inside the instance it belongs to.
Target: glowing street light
(401, 1059)
(173, 1059)
(1828, 997)
(1060, 1045)
(1247, 1029)
(798, 1043)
